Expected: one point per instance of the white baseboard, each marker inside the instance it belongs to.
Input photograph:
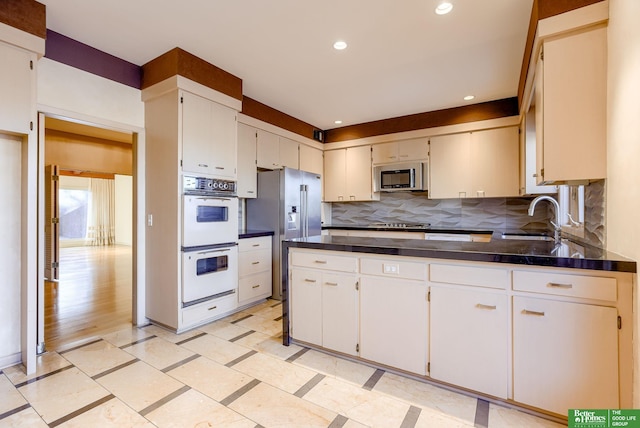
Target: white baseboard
(10, 360)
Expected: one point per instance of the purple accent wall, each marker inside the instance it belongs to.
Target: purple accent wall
(71, 52)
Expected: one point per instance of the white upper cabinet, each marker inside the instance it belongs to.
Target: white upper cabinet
(268, 150)
(401, 151)
(247, 170)
(209, 139)
(347, 175)
(571, 108)
(311, 159)
(528, 176)
(475, 164)
(17, 85)
(288, 150)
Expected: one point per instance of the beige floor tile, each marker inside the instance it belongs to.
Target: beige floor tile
(193, 409)
(336, 367)
(98, 357)
(224, 330)
(211, 378)
(269, 312)
(158, 352)
(433, 418)
(271, 407)
(275, 372)
(10, 398)
(217, 349)
(114, 413)
(263, 325)
(260, 306)
(139, 385)
(502, 417)
(45, 363)
(170, 336)
(428, 396)
(269, 345)
(62, 393)
(236, 316)
(26, 418)
(127, 336)
(353, 424)
(367, 407)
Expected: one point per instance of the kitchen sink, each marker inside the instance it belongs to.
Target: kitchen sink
(527, 236)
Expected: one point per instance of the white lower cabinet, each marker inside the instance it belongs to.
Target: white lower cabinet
(324, 302)
(565, 355)
(254, 269)
(469, 339)
(394, 317)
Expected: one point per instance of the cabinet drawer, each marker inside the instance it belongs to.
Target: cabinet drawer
(470, 275)
(198, 314)
(254, 286)
(562, 284)
(254, 261)
(394, 268)
(325, 261)
(250, 244)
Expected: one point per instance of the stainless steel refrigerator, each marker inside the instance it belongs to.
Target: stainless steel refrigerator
(288, 203)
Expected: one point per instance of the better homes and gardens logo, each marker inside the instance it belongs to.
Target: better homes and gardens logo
(581, 418)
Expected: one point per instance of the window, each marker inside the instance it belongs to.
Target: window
(74, 204)
(571, 200)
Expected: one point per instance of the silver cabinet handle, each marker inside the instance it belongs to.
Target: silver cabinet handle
(331, 283)
(214, 251)
(219, 167)
(536, 313)
(557, 285)
(309, 280)
(255, 263)
(256, 286)
(212, 308)
(250, 191)
(255, 245)
(483, 306)
(322, 262)
(203, 165)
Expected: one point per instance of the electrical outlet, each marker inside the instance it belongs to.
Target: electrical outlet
(150, 220)
(391, 269)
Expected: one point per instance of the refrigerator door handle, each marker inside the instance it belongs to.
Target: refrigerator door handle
(304, 225)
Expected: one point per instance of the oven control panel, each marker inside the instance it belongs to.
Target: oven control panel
(208, 186)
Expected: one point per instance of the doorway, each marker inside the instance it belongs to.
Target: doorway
(88, 286)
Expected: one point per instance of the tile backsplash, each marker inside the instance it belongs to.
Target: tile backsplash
(474, 213)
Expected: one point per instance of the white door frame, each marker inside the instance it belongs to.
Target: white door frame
(33, 327)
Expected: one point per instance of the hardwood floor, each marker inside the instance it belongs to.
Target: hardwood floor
(93, 296)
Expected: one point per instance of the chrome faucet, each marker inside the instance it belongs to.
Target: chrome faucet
(557, 225)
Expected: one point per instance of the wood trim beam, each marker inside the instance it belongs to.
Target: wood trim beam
(180, 62)
(451, 116)
(26, 15)
(263, 112)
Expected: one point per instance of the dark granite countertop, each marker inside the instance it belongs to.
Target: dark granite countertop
(406, 229)
(243, 234)
(533, 253)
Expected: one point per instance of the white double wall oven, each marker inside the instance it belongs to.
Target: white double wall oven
(209, 239)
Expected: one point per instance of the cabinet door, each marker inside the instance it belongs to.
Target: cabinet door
(306, 306)
(394, 323)
(197, 144)
(268, 150)
(17, 84)
(574, 109)
(359, 175)
(565, 355)
(288, 153)
(411, 150)
(339, 312)
(469, 339)
(225, 141)
(335, 178)
(449, 166)
(247, 171)
(384, 153)
(311, 159)
(494, 160)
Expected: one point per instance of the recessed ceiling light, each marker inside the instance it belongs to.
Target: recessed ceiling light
(444, 8)
(340, 45)
(469, 97)
(338, 122)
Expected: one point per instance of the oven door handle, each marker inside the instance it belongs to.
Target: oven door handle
(205, 198)
(214, 251)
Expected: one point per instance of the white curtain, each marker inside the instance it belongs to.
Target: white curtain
(101, 213)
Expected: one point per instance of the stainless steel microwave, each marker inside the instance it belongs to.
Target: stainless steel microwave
(407, 176)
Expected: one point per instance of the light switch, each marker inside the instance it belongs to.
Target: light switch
(150, 220)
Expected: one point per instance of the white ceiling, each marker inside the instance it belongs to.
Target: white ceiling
(402, 58)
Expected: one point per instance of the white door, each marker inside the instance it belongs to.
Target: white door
(565, 355)
(339, 312)
(306, 305)
(247, 170)
(449, 166)
(359, 173)
(51, 222)
(469, 339)
(335, 177)
(400, 340)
